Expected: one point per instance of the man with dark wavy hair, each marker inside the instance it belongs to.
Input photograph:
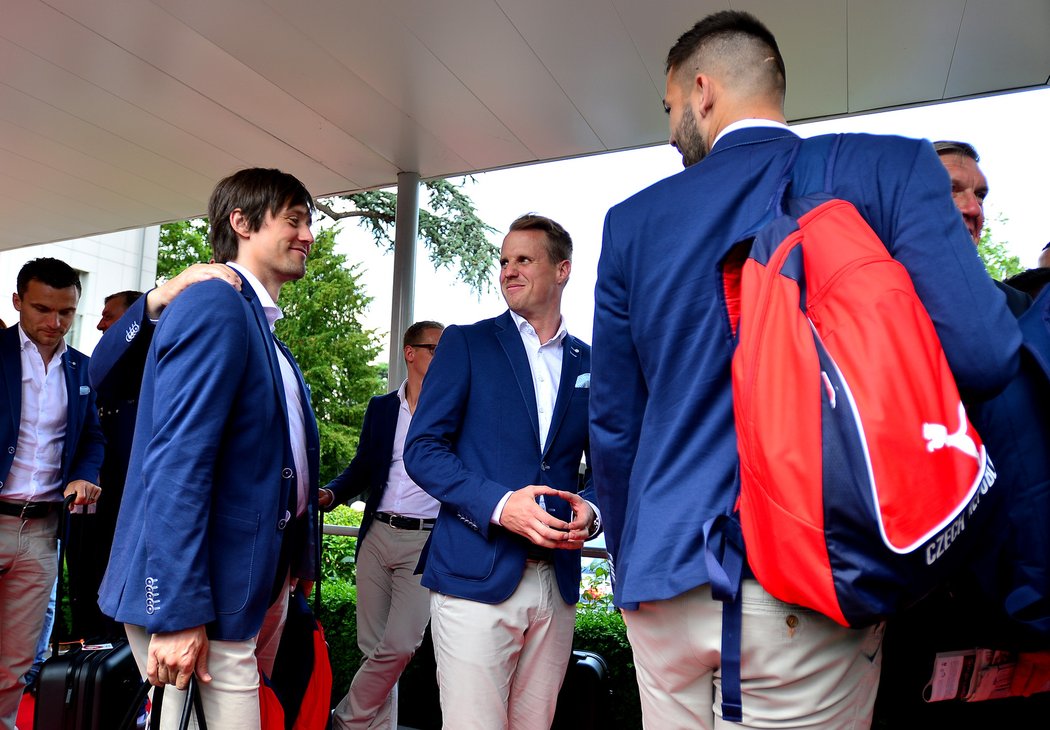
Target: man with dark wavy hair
(662, 428)
(214, 527)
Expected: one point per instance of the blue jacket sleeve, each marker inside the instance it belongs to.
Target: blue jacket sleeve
(430, 458)
(618, 392)
(116, 363)
(358, 477)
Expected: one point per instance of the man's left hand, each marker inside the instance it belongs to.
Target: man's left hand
(582, 519)
(85, 491)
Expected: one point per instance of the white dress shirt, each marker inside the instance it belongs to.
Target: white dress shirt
(292, 392)
(36, 472)
(402, 496)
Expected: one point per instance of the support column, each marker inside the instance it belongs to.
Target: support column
(406, 229)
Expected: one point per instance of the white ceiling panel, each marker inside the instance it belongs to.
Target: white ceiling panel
(122, 113)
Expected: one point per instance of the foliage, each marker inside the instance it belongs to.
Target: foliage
(596, 586)
(338, 616)
(996, 257)
(182, 243)
(449, 226)
(321, 326)
(337, 552)
(603, 632)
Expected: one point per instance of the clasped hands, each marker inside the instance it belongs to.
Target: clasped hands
(524, 516)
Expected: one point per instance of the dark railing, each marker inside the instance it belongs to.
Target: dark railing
(345, 531)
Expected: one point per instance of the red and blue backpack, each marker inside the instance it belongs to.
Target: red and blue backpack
(862, 481)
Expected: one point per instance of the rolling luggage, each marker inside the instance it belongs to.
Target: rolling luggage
(585, 700)
(86, 688)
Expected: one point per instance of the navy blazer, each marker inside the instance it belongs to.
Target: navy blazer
(212, 478)
(474, 437)
(83, 447)
(368, 471)
(662, 429)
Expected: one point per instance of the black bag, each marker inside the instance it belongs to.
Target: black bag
(86, 688)
(585, 699)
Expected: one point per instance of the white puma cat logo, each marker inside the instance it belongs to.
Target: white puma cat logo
(937, 436)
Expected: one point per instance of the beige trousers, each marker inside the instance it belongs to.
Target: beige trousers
(231, 699)
(500, 666)
(28, 565)
(799, 669)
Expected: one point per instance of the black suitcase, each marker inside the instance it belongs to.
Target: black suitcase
(586, 698)
(86, 688)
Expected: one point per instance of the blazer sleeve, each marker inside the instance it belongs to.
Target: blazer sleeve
(618, 391)
(923, 230)
(115, 369)
(90, 449)
(359, 475)
(430, 456)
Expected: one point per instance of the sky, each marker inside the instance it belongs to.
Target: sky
(1008, 131)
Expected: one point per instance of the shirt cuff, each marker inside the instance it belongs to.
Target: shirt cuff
(498, 512)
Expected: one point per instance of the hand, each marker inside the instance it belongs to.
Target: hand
(174, 657)
(325, 498)
(163, 295)
(86, 492)
(522, 515)
(582, 519)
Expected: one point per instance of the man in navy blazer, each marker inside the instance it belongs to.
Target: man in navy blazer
(498, 438)
(393, 609)
(662, 429)
(51, 447)
(215, 521)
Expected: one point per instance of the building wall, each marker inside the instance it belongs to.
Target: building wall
(107, 264)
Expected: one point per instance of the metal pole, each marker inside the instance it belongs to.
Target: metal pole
(406, 228)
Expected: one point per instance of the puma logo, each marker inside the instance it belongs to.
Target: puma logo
(937, 436)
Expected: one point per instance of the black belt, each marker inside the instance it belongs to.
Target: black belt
(540, 554)
(400, 522)
(28, 510)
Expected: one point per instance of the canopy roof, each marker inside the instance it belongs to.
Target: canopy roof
(116, 114)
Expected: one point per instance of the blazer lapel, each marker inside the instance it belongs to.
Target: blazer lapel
(70, 365)
(570, 368)
(510, 339)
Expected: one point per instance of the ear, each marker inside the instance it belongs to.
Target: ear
(703, 95)
(16, 301)
(239, 223)
(564, 269)
(410, 354)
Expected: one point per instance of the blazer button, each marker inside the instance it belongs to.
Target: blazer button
(283, 522)
(286, 473)
(10, 449)
(545, 466)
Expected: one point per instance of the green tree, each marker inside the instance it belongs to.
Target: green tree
(182, 243)
(449, 226)
(997, 259)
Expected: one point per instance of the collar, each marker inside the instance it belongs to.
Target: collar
(26, 342)
(749, 124)
(521, 323)
(270, 308)
(402, 391)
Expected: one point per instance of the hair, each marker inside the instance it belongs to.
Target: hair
(56, 274)
(741, 41)
(948, 147)
(413, 333)
(255, 191)
(559, 242)
(130, 296)
(1031, 282)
